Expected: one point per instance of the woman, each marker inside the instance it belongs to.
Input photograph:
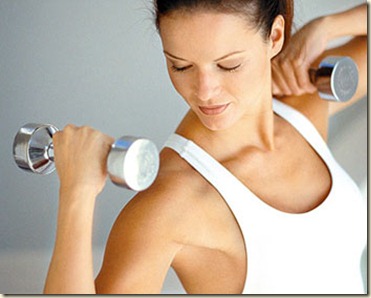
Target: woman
(248, 198)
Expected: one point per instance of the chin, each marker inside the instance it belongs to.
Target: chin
(219, 125)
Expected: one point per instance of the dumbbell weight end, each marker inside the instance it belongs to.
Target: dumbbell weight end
(32, 148)
(133, 163)
(336, 78)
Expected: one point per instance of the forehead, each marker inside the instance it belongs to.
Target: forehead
(185, 33)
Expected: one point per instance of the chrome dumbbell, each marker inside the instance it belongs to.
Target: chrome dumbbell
(132, 163)
(336, 78)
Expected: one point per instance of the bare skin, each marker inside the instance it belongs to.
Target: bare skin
(181, 220)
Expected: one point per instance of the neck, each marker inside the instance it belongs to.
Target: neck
(255, 130)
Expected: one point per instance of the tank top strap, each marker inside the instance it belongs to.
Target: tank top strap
(214, 172)
(305, 127)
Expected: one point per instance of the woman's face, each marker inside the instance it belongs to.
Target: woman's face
(218, 64)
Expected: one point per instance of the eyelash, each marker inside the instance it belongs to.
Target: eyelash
(179, 69)
(183, 69)
(230, 69)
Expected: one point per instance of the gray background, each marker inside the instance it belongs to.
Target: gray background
(99, 63)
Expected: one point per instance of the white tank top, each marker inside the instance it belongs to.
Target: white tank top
(317, 252)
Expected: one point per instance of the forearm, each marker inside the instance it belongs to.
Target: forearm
(352, 22)
(71, 268)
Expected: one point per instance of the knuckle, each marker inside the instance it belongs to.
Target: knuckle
(68, 130)
(287, 90)
(297, 63)
(85, 129)
(299, 92)
(69, 127)
(286, 64)
(295, 89)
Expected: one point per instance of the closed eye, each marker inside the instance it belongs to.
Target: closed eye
(184, 68)
(230, 69)
(180, 69)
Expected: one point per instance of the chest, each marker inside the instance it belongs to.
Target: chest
(292, 178)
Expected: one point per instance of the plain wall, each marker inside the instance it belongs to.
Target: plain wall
(99, 63)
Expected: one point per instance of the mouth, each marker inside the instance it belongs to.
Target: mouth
(213, 110)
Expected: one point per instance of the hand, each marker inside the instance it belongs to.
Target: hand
(80, 158)
(290, 68)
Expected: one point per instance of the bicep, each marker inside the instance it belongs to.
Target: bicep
(138, 255)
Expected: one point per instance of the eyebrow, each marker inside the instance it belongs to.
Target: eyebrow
(217, 60)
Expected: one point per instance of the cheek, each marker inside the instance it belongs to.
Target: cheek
(254, 78)
(181, 85)
(178, 84)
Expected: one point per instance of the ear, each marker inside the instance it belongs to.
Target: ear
(277, 36)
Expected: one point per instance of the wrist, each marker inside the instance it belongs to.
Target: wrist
(76, 211)
(77, 197)
(78, 189)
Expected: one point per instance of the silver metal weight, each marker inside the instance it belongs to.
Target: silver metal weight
(32, 148)
(336, 78)
(132, 163)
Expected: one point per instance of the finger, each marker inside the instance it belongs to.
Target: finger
(276, 90)
(289, 71)
(303, 78)
(279, 80)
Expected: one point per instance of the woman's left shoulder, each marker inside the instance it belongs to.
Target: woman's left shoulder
(313, 107)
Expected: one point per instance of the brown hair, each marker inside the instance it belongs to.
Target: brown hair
(260, 13)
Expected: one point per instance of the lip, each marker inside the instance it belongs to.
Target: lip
(213, 110)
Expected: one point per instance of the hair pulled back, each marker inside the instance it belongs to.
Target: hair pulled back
(259, 13)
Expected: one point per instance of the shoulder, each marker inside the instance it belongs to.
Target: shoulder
(164, 208)
(315, 109)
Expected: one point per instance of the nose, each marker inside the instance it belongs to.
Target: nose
(207, 86)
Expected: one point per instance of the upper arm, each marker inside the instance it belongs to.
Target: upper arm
(140, 248)
(317, 109)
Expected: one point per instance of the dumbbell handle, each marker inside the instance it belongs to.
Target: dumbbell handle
(315, 74)
(50, 152)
